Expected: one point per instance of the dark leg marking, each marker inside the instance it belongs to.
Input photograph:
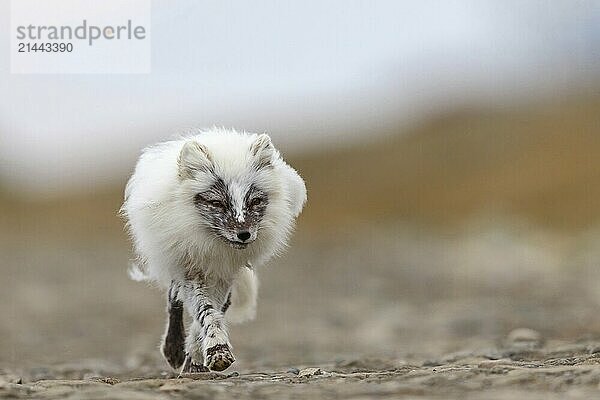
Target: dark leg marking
(226, 304)
(174, 342)
(205, 310)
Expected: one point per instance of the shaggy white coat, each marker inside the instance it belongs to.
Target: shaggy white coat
(169, 235)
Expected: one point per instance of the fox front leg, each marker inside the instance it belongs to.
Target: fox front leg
(173, 343)
(208, 335)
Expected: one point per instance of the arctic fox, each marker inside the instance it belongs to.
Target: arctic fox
(203, 212)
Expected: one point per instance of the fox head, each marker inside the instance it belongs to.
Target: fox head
(235, 189)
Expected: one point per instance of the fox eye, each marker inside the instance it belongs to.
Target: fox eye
(199, 199)
(216, 203)
(257, 201)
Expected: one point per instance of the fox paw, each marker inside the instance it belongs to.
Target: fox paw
(190, 367)
(219, 357)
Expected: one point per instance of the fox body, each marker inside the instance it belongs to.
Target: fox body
(204, 211)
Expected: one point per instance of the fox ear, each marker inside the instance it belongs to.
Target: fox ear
(192, 158)
(262, 150)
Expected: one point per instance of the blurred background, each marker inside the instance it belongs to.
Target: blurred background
(451, 151)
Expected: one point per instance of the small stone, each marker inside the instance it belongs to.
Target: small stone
(310, 372)
(234, 374)
(294, 371)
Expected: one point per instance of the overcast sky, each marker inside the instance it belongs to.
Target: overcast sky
(312, 73)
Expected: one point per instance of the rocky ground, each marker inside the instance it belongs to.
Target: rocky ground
(522, 368)
(502, 312)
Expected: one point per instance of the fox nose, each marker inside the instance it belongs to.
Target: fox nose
(243, 235)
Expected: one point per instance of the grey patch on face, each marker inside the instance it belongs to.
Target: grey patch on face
(217, 208)
(215, 200)
(255, 205)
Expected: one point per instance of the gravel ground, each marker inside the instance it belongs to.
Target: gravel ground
(520, 369)
(494, 313)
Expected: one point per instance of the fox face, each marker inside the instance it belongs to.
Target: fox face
(231, 214)
(230, 202)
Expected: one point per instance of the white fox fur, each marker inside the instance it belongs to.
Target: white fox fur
(243, 297)
(200, 210)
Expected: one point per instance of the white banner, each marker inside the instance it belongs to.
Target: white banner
(80, 36)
